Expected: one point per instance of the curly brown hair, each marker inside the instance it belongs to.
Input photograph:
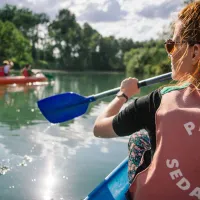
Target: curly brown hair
(190, 32)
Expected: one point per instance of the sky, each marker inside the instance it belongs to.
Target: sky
(137, 19)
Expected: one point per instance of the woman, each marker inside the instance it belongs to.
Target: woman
(171, 117)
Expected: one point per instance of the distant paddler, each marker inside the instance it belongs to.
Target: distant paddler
(26, 71)
(5, 68)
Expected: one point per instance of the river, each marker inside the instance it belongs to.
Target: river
(43, 161)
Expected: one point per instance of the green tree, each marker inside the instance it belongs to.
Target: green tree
(151, 59)
(66, 33)
(89, 43)
(13, 45)
(26, 21)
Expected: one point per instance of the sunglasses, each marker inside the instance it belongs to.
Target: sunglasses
(170, 45)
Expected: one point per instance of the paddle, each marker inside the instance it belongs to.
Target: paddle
(67, 106)
(48, 76)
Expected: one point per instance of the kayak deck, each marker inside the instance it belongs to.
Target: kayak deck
(115, 185)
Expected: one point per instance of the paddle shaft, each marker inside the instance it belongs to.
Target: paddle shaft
(67, 106)
(149, 81)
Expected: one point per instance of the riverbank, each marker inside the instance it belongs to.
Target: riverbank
(76, 72)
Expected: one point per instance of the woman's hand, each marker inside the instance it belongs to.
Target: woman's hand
(129, 87)
(103, 125)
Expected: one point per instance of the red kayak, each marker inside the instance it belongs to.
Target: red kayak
(22, 79)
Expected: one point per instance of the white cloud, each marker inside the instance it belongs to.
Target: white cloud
(138, 30)
(110, 11)
(162, 10)
(136, 19)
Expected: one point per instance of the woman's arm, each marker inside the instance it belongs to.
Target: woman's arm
(103, 124)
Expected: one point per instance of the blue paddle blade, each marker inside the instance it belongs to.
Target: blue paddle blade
(64, 107)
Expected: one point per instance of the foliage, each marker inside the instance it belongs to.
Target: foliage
(147, 60)
(41, 64)
(13, 45)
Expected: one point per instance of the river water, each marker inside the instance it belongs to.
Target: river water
(43, 161)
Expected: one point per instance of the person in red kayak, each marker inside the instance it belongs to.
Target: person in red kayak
(169, 114)
(5, 69)
(26, 71)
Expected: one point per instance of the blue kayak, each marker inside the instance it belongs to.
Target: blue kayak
(114, 186)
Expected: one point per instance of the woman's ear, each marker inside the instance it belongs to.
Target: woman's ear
(196, 54)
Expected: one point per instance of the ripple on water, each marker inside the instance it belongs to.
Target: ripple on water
(26, 159)
(4, 169)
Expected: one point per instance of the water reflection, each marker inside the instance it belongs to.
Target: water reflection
(49, 179)
(18, 105)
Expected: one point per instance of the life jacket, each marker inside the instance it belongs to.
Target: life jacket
(175, 169)
(2, 71)
(25, 72)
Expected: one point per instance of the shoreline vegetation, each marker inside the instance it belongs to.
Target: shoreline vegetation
(54, 71)
(62, 44)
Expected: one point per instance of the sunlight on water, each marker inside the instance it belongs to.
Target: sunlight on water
(104, 150)
(25, 161)
(4, 169)
(49, 180)
(7, 165)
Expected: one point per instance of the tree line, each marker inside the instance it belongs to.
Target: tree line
(63, 44)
